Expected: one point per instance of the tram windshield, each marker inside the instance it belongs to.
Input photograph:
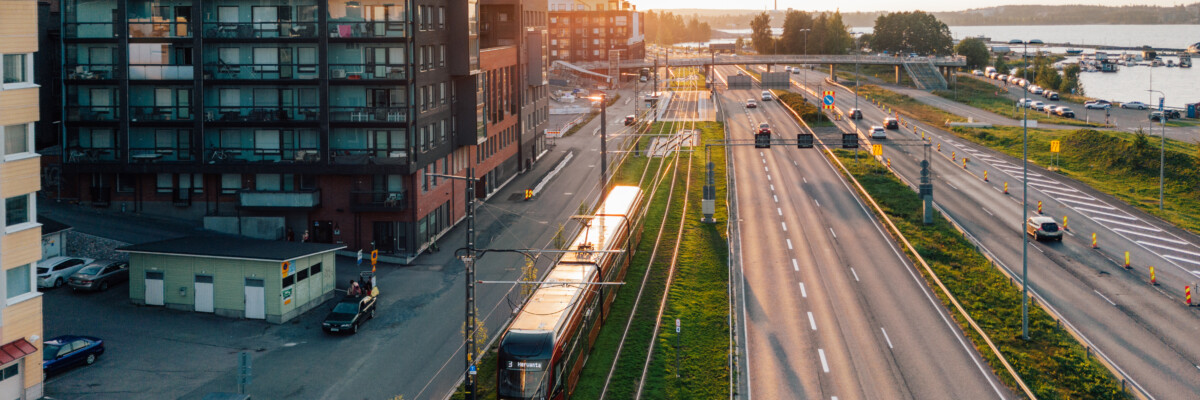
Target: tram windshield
(524, 379)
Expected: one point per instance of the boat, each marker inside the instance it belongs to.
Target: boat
(1170, 63)
(1185, 61)
(1156, 62)
(1108, 66)
(1194, 48)
(1074, 52)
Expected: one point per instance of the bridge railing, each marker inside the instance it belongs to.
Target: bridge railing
(950, 61)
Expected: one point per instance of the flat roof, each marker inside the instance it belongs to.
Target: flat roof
(236, 248)
(51, 226)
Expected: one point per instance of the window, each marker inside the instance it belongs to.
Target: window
(441, 17)
(16, 139)
(125, 183)
(18, 280)
(267, 182)
(231, 183)
(16, 210)
(442, 55)
(165, 183)
(315, 269)
(17, 70)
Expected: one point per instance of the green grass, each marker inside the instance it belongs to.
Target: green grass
(986, 96)
(908, 106)
(809, 112)
(1121, 164)
(1052, 363)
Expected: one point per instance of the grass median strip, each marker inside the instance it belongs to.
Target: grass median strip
(1052, 363)
(808, 112)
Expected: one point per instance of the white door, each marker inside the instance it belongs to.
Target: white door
(204, 293)
(11, 387)
(154, 288)
(302, 287)
(256, 299)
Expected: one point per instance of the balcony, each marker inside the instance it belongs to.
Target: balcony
(93, 113)
(160, 29)
(261, 114)
(156, 113)
(83, 155)
(353, 30)
(92, 71)
(278, 199)
(259, 71)
(157, 154)
(368, 114)
(88, 30)
(260, 30)
(368, 156)
(242, 155)
(361, 201)
(353, 72)
(158, 72)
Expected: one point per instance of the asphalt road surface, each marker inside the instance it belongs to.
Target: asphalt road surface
(831, 309)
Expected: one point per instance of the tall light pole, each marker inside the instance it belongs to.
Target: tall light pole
(603, 140)
(468, 255)
(1025, 194)
(1162, 150)
(805, 31)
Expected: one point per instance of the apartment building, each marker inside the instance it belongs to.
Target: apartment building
(20, 179)
(278, 119)
(513, 35)
(584, 31)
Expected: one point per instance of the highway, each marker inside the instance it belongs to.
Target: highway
(1145, 330)
(831, 309)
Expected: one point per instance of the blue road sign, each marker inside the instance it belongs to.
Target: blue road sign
(829, 99)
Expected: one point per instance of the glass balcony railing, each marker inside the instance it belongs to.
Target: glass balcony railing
(368, 114)
(279, 199)
(160, 154)
(160, 29)
(79, 154)
(234, 155)
(260, 30)
(369, 156)
(92, 71)
(378, 201)
(395, 29)
(260, 71)
(156, 72)
(261, 113)
(159, 113)
(93, 113)
(366, 71)
(88, 30)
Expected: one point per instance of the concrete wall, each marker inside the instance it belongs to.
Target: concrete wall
(267, 228)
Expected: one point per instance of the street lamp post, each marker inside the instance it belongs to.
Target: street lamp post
(1162, 150)
(1025, 194)
(603, 140)
(805, 31)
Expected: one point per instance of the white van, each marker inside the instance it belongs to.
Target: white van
(766, 95)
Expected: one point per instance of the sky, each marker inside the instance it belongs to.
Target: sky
(877, 5)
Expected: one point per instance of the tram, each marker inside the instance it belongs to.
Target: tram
(544, 349)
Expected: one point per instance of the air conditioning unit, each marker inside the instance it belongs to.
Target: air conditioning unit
(339, 74)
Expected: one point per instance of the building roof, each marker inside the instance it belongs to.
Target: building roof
(237, 248)
(51, 226)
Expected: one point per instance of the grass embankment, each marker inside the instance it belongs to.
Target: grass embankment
(698, 298)
(908, 106)
(885, 72)
(1051, 363)
(1124, 165)
(808, 112)
(986, 96)
(590, 116)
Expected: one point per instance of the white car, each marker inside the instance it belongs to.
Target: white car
(977, 73)
(1135, 105)
(1024, 102)
(877, 132)
(54, 271)
(1037, 105)
(1035, 89)
(1097, 105)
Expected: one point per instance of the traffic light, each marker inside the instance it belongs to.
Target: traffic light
(849, 140)
(762, 140)
(804, 140)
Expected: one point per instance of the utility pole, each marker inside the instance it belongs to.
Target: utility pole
(603, 142)
(468, 258)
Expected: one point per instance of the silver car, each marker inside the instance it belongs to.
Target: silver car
(54, 271)
(100, 275)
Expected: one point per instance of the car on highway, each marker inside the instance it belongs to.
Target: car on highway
(1136, 105)
(1065, 112)
(764, 127)
(854, 113)
(877, 132)
(891, 123)
(766, 95)
(977, 72)
(750, 103)
(1098, 105)
(349, 313)
(1041, 227)
(63, 352)
(100, 275)
(630, 120)
(54, 271)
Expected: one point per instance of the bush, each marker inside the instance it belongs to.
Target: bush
(807, 111)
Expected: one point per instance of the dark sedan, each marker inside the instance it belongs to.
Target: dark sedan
(64, 352)
(100, 275)
(349, 313)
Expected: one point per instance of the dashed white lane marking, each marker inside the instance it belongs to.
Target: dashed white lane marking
(803, 293)
(951, 185)
(794, 163)
(779, 210)
(768, 177)
(834, 233)
(764, 161)
(885, 337)
(804, 179)
(789, 244)
(772, 187)
(855, 274)
(784, 226)
(760, 154)
(795, 265)
(812, 322)
(765, 168)
(775, 197)
(818, 202)
(1105, 298)
(1039, 249)
(988, 212)
(824, 364)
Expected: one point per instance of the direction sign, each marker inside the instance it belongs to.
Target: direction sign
(1055, 146)
(827, 98)
(471, 370)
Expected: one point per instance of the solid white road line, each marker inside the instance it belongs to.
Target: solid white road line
(789, 244)
(834, 233)
(1141, 226)
(988, 212)
(1105, 298)
(885, 337)
(1190, 253)
(784, 226)
(855, 274)
(824, 364)
(795, 265)
(812, 322)
(803, 293)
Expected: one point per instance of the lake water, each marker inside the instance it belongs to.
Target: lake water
(1180, 85)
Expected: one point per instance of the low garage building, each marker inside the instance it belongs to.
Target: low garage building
(233, 277)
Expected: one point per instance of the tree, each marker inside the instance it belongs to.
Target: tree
(976, 52)
(739, 43)
(837, 35)
(793, 39)
(1047, 77)
(1001, 65)
(912, 32)
(760, 34)
(1070, 80)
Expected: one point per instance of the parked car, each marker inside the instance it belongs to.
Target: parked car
(1098, 105)
(100, 275)
(1043, 227)
(1052, 108)
(1157, 116)
(1035, 89)
(349, 313)
(54, 271)
(1066, 112)
(1037, 105)
(1002, 77)
(1024, 103)
(1173, 114)
(855, 113)
(877, 132)
(1051, 95)
(64, 352)
(1136, 105)
(750, 103)
(977, 72)
(891, 123)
